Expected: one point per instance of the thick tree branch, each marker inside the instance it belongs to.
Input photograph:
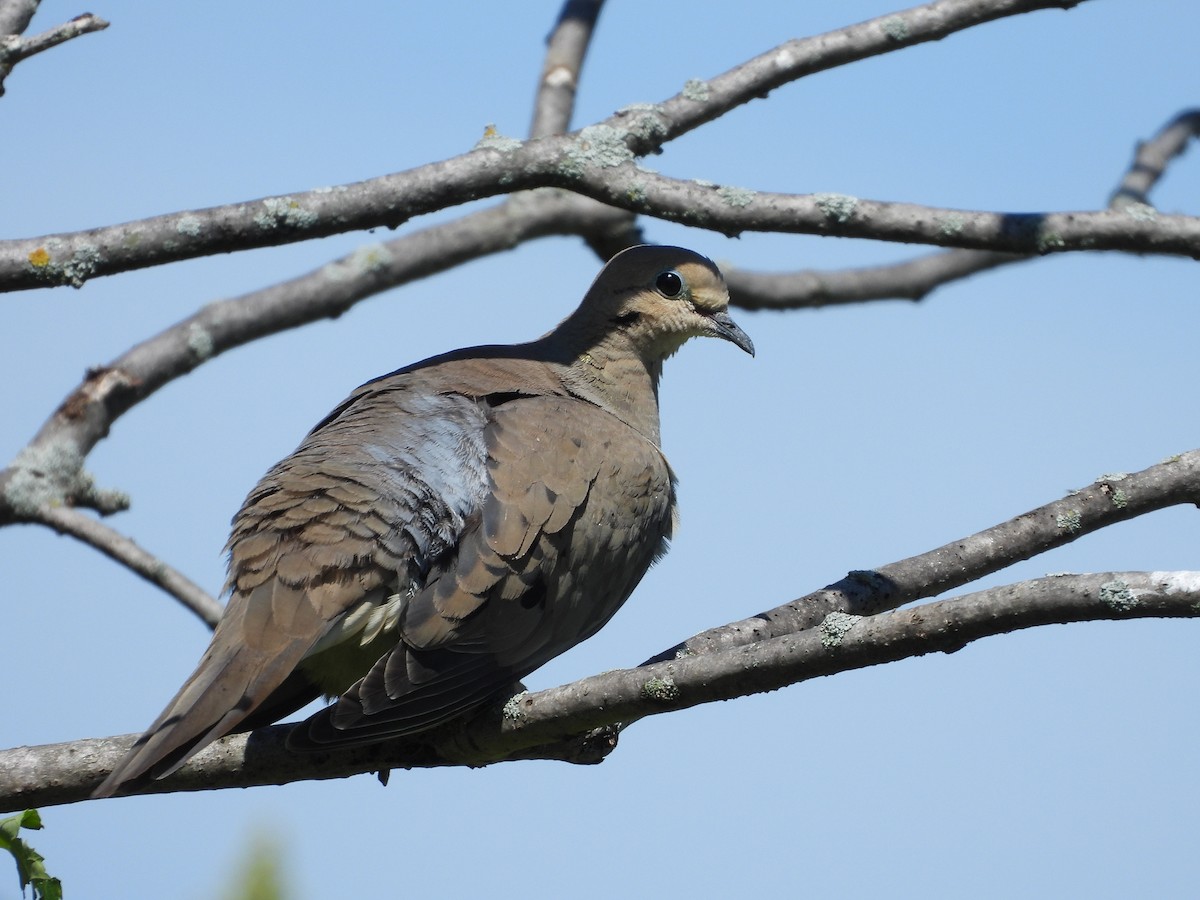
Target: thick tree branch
(15, 20)
(596, 161)
(15, 15)
(573, 722)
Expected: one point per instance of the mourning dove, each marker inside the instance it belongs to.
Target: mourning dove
(450, 527)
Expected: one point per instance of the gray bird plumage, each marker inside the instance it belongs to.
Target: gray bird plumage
(450, 527)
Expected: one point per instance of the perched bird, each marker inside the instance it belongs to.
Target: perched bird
(450, 527)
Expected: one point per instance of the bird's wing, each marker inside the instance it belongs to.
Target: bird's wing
(371, 501)
(578, 507)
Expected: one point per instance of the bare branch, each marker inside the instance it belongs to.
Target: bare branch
(15, 15)
(1151, 159)
(565, 51)
(49, 471)
(124, 551)
(812, 288)
(915, 278)
(598, 162)
(13, 49)
(1112, 498)
(67, 773)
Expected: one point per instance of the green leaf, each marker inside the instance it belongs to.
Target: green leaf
(31, 868)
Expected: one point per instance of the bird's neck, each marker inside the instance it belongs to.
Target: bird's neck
(620, 381)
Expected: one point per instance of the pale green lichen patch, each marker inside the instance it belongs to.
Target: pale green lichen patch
(53, 475)
(189, 225)
(661, 689)
(684, 652)
(637, 192)
(1117, 595)
(644, 120)
(736, 196)
(1069, 521)
(952, 225)
(1049, 240)
(363, 261)
(199, 341)
(839, 207)
(895, 28)
(834, 627)
(512, 708)
(1142, 212)
(52, 262)
(1119, 499)
(286, 212)
(696, 90)
(598, 146)
(1112, 476)
(494, 140)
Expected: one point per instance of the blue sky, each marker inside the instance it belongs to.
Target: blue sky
(1051, 762)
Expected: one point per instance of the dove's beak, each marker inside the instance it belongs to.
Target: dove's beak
(727, 329)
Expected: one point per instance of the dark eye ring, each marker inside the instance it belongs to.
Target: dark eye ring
(669, 283)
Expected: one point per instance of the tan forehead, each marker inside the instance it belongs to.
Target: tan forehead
(708, 287)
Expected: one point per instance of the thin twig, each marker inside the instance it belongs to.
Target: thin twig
(13, 49)
(124, 551)
(565, 52)
(1151, 159)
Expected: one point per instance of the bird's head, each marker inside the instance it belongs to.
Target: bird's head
(656, 298)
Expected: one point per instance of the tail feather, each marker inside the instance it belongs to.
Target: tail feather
(230, 683)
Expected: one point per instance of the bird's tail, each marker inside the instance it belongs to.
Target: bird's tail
(233, 679)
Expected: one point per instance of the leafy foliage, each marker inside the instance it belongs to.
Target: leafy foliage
(31, 868)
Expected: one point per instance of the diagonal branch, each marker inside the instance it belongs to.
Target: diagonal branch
(1152, 157)
(13, 49)
(126, 552)
(1112, 498)
(575, 722)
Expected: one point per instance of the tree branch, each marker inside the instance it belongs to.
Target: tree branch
(15, 15)
(125, 552)
(565, 52)
(1152, 157)
(587, 709)
(598, 162)
(814, 288)
(48, 474)
(13, 49)
(1112, 498)
(915, 279)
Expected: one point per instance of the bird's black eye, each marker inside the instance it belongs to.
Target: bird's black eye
(669, 284)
